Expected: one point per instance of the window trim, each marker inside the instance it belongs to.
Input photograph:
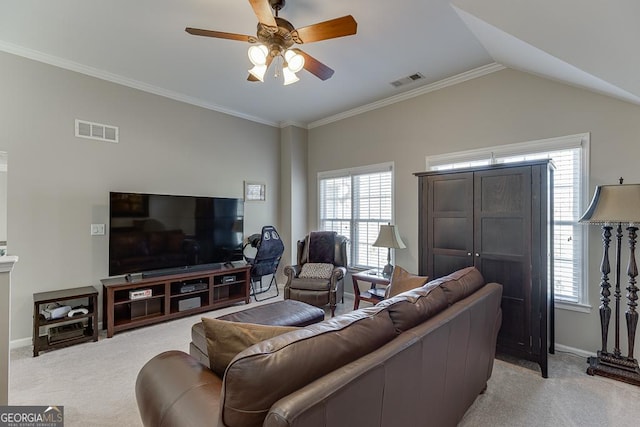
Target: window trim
(357, 170)
(581, 140)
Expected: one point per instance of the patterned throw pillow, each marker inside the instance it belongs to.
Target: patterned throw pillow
(316, 270)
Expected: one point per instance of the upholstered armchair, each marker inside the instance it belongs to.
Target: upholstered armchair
(318, 277)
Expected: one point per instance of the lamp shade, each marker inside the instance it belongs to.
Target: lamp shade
(614, 203)
(295, 62)
(289, 76)
(258, 72)
(388, 237)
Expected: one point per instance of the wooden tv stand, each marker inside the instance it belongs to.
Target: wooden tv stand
(171, 296)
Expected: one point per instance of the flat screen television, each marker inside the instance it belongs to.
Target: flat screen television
(158, 232)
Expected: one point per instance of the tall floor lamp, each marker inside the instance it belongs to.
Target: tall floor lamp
(617, 205)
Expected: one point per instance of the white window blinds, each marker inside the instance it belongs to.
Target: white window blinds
(354, 203)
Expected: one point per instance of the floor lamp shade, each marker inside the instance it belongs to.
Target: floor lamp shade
(613, 204)
(388, 237)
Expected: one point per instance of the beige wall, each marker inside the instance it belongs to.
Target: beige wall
(58, 184)
(501, 108)
(293, 200)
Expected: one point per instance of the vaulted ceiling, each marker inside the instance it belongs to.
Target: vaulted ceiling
(142, 44)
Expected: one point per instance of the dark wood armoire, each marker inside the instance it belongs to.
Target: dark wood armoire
(499, 219)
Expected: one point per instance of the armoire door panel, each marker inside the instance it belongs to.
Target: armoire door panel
(443, 264)
(448, 201)
(508, 273)
(447, 195)
(502, 236)
(451, 233)
(502, 192)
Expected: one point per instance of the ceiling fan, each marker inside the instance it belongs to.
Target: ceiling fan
(275, 38)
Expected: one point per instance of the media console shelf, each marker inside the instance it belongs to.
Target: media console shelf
(80, 328)
(130, 304)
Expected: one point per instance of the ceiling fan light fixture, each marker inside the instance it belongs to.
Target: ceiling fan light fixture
(295, 61)
(275, 36)
(258, 71)
(289, 76)
(258, 54)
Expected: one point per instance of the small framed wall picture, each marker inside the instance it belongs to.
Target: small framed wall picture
(255, 191)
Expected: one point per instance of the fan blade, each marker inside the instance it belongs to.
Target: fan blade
(252, 78)
(314, 66)
(219, 34)
(262, 9)
(331, 29)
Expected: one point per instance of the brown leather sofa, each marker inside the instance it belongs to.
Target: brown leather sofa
(420, 358)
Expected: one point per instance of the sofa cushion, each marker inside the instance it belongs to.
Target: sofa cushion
(225, 339)
(310, 284)
(316, 270)
(415, 306)
(460, 284)
(266, 372)
(402, 280)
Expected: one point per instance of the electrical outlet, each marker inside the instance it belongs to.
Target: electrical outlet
(97, 229)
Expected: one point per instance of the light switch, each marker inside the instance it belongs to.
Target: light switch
(97, 229)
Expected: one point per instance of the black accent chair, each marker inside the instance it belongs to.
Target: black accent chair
(266, 261)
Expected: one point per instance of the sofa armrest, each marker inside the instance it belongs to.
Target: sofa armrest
(338, 273)
(173, 389)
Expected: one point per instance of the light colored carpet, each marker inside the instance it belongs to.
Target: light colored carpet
(518, 396)
(95, 383)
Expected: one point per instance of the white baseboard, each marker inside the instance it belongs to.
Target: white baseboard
(22, 342)
(577, 351)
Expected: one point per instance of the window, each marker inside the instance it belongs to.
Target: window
(570, 155)
(354, 203)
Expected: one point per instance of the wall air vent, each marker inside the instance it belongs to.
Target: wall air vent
(96, 131)
(406, 80)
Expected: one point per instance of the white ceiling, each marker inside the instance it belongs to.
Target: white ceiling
(142, 44)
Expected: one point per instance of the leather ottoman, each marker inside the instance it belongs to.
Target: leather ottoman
(280, 313)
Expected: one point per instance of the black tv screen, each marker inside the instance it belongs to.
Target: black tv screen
(153, 232)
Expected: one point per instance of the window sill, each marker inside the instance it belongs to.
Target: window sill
(573, 306)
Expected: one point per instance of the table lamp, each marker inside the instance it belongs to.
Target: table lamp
(388, 237)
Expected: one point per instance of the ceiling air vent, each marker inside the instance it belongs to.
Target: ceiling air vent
(96, 131)
(406, 80)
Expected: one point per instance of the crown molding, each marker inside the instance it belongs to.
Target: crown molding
(135, 84)
(292, 123)
(454, 80)
(124, 81)
(7, 263)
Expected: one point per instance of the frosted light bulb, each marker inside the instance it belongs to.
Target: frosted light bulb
(258, 54)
